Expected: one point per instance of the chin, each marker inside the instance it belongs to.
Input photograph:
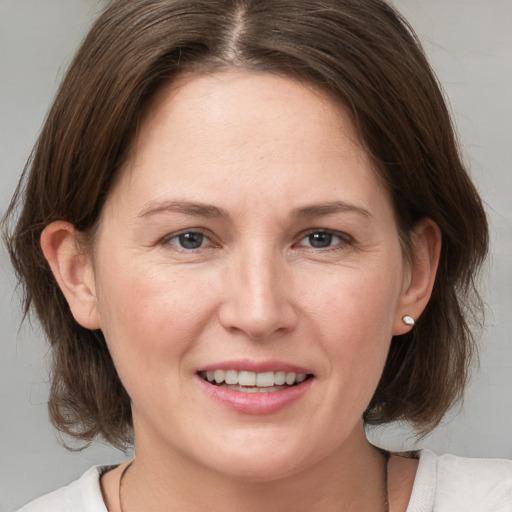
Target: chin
(259, 471)
(262, 461)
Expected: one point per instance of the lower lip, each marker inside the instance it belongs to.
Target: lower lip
(256, 403)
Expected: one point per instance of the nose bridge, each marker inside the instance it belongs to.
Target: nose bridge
(257, 299)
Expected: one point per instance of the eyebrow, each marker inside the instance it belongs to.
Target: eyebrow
(186, 207)
(321, 209)
(210, 211)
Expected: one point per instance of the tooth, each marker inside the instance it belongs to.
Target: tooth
(290, 378)
(265, 380)
(231, 377)
(219, 376)
(279, 378)
(251, 379)
(267, 390)
(246, 378)
(250, 389)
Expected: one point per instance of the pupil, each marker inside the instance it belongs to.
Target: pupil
(191, 240)
(319, 240)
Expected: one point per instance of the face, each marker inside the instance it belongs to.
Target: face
(247, 244)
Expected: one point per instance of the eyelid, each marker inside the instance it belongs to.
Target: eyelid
(167, 240)
(346, 238)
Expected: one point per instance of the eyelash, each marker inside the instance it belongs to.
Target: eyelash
(344, 240)
(174, 238)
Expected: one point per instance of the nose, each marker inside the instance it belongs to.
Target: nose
(258, 296)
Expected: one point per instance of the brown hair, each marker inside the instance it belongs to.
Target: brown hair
(365, 55)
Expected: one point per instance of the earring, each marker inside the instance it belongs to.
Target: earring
(408, 320)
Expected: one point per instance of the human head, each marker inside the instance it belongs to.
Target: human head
(362, 54)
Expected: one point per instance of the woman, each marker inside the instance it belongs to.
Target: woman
(256, 235)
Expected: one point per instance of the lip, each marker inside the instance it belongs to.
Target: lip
(255, 403)
(255, 366)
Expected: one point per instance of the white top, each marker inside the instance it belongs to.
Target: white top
(443, 484)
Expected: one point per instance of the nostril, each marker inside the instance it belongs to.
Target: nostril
(258, 324)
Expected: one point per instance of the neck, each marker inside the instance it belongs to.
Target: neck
(350, 478)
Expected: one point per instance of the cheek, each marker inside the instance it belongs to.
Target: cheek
(355, 316)
(150, 317)
(355, 301)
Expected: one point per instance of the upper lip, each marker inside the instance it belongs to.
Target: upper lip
(255, 366)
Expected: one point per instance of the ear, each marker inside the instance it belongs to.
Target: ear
(417, 289)
(73, 271)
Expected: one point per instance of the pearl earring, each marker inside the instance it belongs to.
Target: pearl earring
(408, 320)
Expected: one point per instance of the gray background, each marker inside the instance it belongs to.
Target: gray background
(470, 45)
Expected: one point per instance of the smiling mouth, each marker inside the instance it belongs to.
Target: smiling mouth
(252, 382)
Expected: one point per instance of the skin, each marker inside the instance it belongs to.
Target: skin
(275, 161)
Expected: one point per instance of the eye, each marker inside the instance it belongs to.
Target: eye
(188, 240)
(322, 239)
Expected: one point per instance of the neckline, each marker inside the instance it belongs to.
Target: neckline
(422, 494)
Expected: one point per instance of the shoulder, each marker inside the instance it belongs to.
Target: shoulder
(447, 483)
(83, 495)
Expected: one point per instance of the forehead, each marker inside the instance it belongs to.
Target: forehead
(247, 99)
(255, 133)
